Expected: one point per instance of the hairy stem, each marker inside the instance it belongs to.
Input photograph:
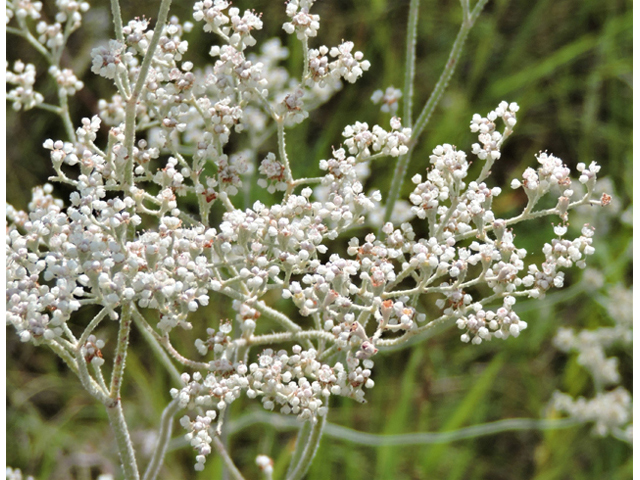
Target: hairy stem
(24, 32)
(228, 462)
(310, 449)
(121, 352)
(123, 440)
(284, 422)
(270, 338)
(283, 156)
(132, 101)
(410, 62)
(302, 438)
(66, 118)
(117, 20)
(114, 408)
(422, 121)
(164, 435)
(148, 334)
(91, 327)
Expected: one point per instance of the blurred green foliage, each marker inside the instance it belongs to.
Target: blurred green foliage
(568, 64)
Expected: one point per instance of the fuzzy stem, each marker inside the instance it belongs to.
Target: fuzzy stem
(114, 408)
(270, 338)
(100, 377)
(91, 327)
(418, 335)
(263, 308)
(66, 118)
(132, 101)
(166, 343)
(283, 156)
(403, 162)
(179, 357)
(89, 384)
(528, 215)
(148, 334)
(447, 73)
(305, 52)
(410, 62)
(231, 467)
(164, 435)
(117, 20)
(123, 440)
(121, 352)
(309, 450)
(64, 355)
(284, 422)
(301, 440)
(26, 34)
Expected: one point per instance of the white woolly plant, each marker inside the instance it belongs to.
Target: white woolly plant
(124, 242)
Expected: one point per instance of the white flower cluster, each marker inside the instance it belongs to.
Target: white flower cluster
(389, 99)
(183, 138)
(108, 60)
(484, 325)
(23, 9)
(361, 142)
(347, 65)
(274, 171)
(70, 11)
(23, 95)
(68, 83)
(235, 28)
(609, 410)
(199, 437)
(444, 182)
(295, 383)
(68, 18)
(561, 253)
(302, 22)
(486, 127)
(16, 474)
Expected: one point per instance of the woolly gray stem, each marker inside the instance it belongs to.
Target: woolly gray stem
(403, 162)
(301, 440)
(123, 440)
(164, 435)
(410, 62)
(310, 450)
(121, 352)
(117, 20)
(283, 422)
(148, 334)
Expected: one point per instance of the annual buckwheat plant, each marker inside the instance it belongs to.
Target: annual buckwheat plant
(153, 230)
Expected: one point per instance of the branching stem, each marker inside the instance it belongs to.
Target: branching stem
(423, 119)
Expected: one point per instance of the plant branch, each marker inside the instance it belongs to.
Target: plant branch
(148, 334)
(233, 470)
(164, 436)
(310, 449)
(423, 119)
(410, 62)
(302, 438)
(121, 352)
(117, 20)
(132, 101)
(123, 440)
(284, 422)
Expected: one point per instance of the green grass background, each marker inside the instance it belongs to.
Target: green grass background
(568, 64)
